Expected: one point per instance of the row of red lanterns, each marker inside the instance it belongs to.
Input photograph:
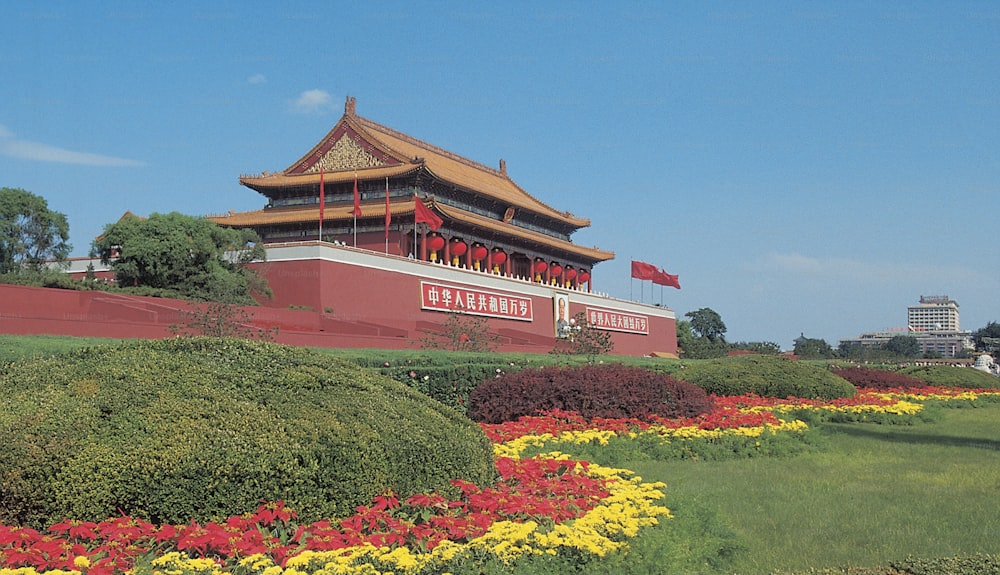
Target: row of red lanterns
(458, 248)
(556, 270)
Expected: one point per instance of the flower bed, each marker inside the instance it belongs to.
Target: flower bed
(547, 504)
(542, 505)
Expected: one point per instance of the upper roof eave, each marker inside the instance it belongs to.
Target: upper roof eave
(376, 209)
(478, 221)
(282, 180)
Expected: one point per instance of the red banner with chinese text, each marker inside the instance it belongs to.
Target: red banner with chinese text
(442, 297)
(611, 320)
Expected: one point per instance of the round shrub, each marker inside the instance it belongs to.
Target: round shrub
(766, 376)
(877, 378)
(952, 376)
(612, 391)
(202, 428)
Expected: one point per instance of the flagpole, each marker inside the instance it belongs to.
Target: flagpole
(322, 201)
(356, 209)
(387, 215)
(631, 284)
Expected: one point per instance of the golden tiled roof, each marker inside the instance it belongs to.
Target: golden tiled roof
(482, 222)
(384, 152)
(345, 213)
(312, 178)
(303, 214)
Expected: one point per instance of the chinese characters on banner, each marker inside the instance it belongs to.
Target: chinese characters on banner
(617, 321)
(441, 297)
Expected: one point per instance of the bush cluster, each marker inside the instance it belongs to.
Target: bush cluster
(877, 378)
(203, 428)
(766, 376)
(977, 564)
(950, 376)
(611, 390)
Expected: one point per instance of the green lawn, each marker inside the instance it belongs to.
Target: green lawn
(15, 347)
(871, 494)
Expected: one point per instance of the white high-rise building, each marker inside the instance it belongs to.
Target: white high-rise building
(933, 323)
(933, 313)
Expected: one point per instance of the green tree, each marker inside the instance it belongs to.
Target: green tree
(903, 346)
(215, 319)
(707, 323)
(30, 233)
(812, 348)
(461, 332)
(987, 339)
(693, 346)
(189, 255)
(584, 339)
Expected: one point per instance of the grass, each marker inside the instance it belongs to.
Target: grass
(870, 495)
(15, 347)
(873, 494)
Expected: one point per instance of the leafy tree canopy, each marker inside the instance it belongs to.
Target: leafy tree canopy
(903, 346)
(30, 233)
(988, 338)
(698, 347)
(584, 339)
(707, 323)
(190, 255)
(812, 348)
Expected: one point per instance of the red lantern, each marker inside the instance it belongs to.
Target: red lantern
(540, 268)
(458, 248)
(499, 257)
(570, 274)
(556, 269)
(479, 253)
(436, 243)
(584, 277)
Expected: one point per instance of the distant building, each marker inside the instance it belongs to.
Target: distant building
(933, 313)
(934, 323)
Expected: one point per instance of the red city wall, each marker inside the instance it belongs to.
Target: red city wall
(317, 302)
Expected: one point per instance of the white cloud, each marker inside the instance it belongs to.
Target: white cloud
(257, 79)
(312, 101)
(15, 147)
(795, 265)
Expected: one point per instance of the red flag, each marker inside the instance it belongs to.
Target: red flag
(357, 197)
(643, 271)
(322, 196)
(664, 279)
(424, 214)
(388, 214)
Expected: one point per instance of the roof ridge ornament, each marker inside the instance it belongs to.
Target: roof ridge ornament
(350, 106)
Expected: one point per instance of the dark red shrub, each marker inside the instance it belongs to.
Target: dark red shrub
(877, 378)
(610, 391)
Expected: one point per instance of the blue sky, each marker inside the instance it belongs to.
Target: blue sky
(804, 167)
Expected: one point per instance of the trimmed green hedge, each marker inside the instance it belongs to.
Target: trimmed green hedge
(201, 428)
(766, 376)
(951, 376)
